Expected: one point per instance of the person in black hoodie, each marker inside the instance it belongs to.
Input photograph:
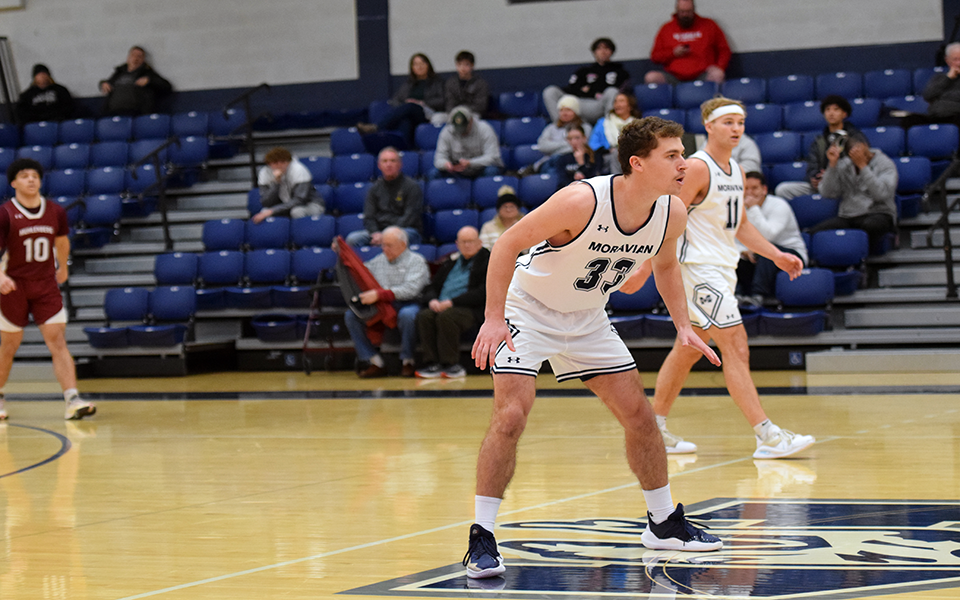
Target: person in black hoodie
(596, 85)
(45, 99)
(134, 87)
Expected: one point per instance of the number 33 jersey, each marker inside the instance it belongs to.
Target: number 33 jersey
(710, 236)
(581, 274)
(28, 238)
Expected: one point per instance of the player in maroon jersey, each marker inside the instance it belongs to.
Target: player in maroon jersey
(35, 247)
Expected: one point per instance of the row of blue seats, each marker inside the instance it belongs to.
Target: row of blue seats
(94, 182)
(186, 151)
(122, 128)
(161, 317)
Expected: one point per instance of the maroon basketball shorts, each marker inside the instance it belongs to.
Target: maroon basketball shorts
(41, 298)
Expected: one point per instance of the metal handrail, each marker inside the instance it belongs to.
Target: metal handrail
(936, 192)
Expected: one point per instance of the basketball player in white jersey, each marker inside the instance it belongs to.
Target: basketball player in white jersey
(549, 305)
(708, 254)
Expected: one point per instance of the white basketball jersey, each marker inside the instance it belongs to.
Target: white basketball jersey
(581, 273)
(710, 237)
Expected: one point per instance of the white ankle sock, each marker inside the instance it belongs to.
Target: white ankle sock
(486, 508)
(68, 394)
(377, 360)
(763, 429)
(659, 503)
(661, 421)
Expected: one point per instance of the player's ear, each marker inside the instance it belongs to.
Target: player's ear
(636, 163)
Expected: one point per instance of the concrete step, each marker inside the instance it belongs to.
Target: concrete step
(906, 256)
(211, 187)
(916, 276)
(883, 361)
(84, 280)
(140, 248)
(231, 200)
(190, 216)
(129, 264)
(74, 333)
(897, 295)
(153, 233)
(918, 238)
(916, 316)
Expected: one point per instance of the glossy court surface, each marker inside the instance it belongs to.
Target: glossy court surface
(254, 486)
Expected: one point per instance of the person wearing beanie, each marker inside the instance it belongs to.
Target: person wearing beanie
(552, 142)
(44, 100)
(508, 213)
(595, 85)
(467, 147)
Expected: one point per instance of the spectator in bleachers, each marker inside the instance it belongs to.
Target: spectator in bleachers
(402, 275)
(455, 300)
(418, 98)
(45, 99)
(942, 93)
(508, 213)
(552, 142)
(604, 138)
(596, 85)
(393, 200)
(134, 87)
(865, 181)
(689, 47)
(467, 147)
(467, 88)
(774, 219)
(836, 110)
(286, 188)
(578, 164)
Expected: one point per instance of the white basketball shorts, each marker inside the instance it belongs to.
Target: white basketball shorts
(710, 295)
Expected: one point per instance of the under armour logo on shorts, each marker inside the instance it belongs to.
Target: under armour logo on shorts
(512, 359)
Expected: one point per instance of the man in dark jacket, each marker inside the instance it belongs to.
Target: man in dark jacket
(45, 99)
(134, 87)
(393, 200)
(596, 85)
(455, 299)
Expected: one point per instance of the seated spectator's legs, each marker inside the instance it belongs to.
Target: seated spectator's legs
(876, 225)
(440, 334)
(491, 171)
(792, 189)
(471, 174)
(745, 272)
(358, 238)
(307, 210)
(551, 95)
(358, 333)
(765, 275)
(439, 119)
(404, 119)
(591, 110)
(832, 223)
(407, 324)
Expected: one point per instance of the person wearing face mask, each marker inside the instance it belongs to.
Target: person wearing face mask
(134, 87)
(45, 99)
(689, 47)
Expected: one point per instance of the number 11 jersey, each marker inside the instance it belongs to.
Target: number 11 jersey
(28, 237)
(710, 236)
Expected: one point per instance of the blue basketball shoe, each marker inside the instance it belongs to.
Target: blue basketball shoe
(482, 558)
(676, 533)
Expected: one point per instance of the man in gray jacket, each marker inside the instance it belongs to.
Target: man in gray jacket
(865, 181)
(467, 147)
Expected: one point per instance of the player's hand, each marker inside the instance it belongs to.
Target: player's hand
(492, 333)
(62, 275)
(7, 285)
(688, 338)
(789, 263)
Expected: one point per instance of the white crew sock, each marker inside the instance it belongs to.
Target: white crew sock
(377, 360)
(486, 508)
(661, 421)
(68, 394)
(659, 503)
(763, 429)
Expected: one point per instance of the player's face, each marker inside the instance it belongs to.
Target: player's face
(27, 182)
(727, 130)
(665, 166)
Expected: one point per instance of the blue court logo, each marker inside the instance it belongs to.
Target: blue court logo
(827, 549)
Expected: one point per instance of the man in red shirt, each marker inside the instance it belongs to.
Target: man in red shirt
(35, 248)
(689, 47)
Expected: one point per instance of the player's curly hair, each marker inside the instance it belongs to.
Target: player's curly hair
(640, 137)
(22, 164)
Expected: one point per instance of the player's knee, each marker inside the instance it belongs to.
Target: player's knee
(509, 421)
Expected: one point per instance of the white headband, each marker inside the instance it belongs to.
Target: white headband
(726, 109)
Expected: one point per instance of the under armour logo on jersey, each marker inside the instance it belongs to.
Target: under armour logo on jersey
(603, 228)
(513, 359)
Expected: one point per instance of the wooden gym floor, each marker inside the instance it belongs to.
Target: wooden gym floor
(282, 486)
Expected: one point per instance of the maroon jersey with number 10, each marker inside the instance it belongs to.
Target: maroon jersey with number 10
(28, 238)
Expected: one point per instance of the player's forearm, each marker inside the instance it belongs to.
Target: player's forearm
(670, 286)
(499, 273)
(756, 243)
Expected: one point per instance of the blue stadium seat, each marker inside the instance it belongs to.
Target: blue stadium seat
(914, 104)
(522, 130)
(523, 156)
(41, 154)
(354, 167)
(377, 110)
(270, 265)
(445, 250)
(7, 156)
(653, 96)
(192, 123)
(106, 337)
(72, 206)
(41, 133)
(487, 214)
(308, 264)
(71, 156)
(749, 90)
(800, 324)
(320, 168)
(173, 303)
(787, 171)
(779, 146)
(425, 136)
(933, 141)
(646, 298)
(676, 115)
(866, 112)
(126, 304)
(803, 116)
(814, 287)
(691, 94)
(314, 231)
(813, 209)
(485, 189)
(367, 253)
(922, 76)
(111, 129)
(374, 142)
(176, 268)
(326, 192)
(914, 173)
(349, 223)
(426, 161)
(345, 141)
(192, 151)
(78, 131)
(224, 267)
(109, 154)
(291, 296)
(693, 121)
(247, 298)
(843, 83)
(141, 179)
(5, 190)
(427, 251)
(272, 232)
(885, 83)
(449, 193)
(352, 196)
(223, 234)
(211, 299)
(519, 104)
(410, 163)
(764, 118)
(497, 127)
(790, 88)
(102, 210)
(535, 189)
(271, 328)
(142, 147)
(151, 126)
(66, 182)
(892, 140)
(448, 222)
(253, 201)
(839, 247)
(221, 124)
(105, 180)
(9, 135)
